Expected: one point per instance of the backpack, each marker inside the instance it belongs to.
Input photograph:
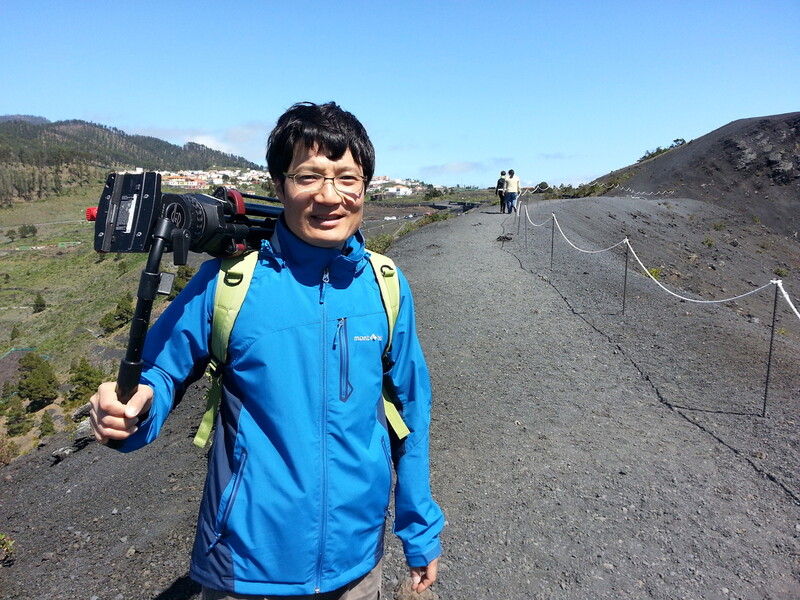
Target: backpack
(233, 282)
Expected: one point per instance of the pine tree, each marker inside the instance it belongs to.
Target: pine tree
(9, 389)
(37, 382)
(39, 304)
(84, 379)
(46, 425)
(17, 422)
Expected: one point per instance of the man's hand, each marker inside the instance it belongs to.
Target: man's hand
(113, 420)
(423, 577)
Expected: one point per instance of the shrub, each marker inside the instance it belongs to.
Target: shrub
(7, 551)
(182, 277)
(113, 320)
(709, 241)
(8, 450)
(379, 243)
(719, 226)
(39, 304)
(780, 271)
(26, 230)
(431, 193)
(655, 272)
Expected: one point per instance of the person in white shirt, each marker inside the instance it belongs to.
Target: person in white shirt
(513, 188)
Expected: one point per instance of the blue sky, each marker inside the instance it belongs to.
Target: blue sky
(562, 91)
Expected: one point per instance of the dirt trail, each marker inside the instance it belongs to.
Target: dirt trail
(578, 453)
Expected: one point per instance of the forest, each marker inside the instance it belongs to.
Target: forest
(39, 158)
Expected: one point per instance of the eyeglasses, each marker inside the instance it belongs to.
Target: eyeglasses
(313, 182)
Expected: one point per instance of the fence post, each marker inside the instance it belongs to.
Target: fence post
(625, 283)
(526, 228)
(552, 237)
(769, 358)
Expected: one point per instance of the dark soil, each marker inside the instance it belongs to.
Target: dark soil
(750, 166)
(578, 451)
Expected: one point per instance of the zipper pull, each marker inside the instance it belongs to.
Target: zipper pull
(339, 328)
(326, 279)
(214, 542)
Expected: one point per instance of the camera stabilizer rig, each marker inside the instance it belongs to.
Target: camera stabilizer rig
(134, 216)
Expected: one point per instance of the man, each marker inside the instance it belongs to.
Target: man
(300, 468)
(500, 190)
(513, 188)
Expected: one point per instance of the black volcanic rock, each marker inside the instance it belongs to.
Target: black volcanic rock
(751, 166)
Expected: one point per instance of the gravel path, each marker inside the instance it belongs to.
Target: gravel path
(560, 454)
(578, 453)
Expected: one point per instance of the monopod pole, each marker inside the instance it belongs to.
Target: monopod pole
(130, 367)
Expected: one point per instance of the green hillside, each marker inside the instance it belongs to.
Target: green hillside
(55, 291)
(40, 159)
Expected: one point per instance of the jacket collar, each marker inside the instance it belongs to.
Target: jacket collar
(288, 250)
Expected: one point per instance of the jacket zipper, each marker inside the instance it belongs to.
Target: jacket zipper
(345, 387)
(323, 439)
(233, 486)
(388, 455)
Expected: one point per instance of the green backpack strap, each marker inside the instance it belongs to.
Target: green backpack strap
(233, 282)
(386, 276)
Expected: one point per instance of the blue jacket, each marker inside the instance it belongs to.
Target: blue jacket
(300, 470)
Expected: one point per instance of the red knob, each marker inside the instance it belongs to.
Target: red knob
(91, 213)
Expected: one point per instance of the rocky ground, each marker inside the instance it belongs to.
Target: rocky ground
(579, 450)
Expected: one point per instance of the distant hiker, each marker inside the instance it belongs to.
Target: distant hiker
(513, 188)
(500, 190)
(300, 469)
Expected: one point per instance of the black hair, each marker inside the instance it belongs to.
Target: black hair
(327, 126)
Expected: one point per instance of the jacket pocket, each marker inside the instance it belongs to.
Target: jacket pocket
(343, 342)
(388, 456)
(228, 499)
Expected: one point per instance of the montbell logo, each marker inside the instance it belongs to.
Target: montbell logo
(368, 338)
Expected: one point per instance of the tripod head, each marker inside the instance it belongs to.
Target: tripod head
(220, 225)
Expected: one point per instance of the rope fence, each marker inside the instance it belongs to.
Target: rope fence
(608, 186)
(780, 291)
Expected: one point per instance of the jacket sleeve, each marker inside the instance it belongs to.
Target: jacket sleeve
(418, 519)
(176, 351)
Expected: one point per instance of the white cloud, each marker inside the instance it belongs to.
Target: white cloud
(212, 142)
(246, 139)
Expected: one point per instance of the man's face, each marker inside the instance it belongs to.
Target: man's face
(324, 217)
